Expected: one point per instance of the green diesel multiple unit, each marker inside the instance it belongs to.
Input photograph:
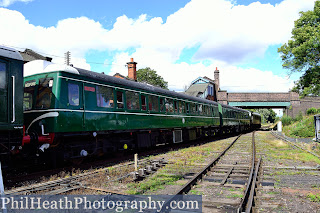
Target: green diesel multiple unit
(11, 93)
(78, 112)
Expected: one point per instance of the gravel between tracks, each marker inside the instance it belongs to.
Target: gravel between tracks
(294, 190)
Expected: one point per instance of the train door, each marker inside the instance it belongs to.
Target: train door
(75, 105)
(3, 92)
(90, 103)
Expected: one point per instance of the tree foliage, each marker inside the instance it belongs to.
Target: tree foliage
(267, 115)
(302, 52)
(150, 76)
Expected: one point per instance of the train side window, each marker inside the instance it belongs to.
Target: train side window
(162, 105)
(180, 107)
(175, 106)
(192, 108)
(143, 102)
(183, 107)
(104, 97)
(44, 95)
(153, 103)
(132, 100)
(200, 109)
(73, 94)
(188, 108)
(120, 103)
(169, 105)
(3, 77)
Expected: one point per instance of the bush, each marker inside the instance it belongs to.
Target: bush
(299, 117)
(286, 120)
(318, 110)
(311, 111)
(302, 129)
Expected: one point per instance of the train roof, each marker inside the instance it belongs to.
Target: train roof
(40, 66)
(10, 53)
(138, 85)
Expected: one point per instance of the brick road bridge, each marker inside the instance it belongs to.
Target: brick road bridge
(210, 89)
(289, 101)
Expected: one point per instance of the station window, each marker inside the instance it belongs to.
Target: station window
(162, 105)
(133, 100)
(143, 102)
(44, 95)
(120, 100)
(104, 97)
(153, 103)
(3, 76)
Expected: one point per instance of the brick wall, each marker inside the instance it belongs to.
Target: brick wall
(308, 102)
(258, 97)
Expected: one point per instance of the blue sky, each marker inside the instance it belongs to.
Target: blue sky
(180, 39)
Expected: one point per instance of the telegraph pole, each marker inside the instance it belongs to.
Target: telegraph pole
(67, 57)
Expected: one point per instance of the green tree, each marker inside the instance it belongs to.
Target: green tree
(150, 76)
(266, 115)
(302, 52)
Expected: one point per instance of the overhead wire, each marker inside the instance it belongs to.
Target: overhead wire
(57, 56)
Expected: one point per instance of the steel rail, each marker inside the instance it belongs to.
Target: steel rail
(293, 144)
(67, 181)
(50, 184)
(187, 187)
(253, 187)
(244, 201)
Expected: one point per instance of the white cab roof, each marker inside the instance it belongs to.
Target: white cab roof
(41, 66)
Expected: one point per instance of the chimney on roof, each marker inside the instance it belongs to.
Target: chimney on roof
(132, 70)
(216, 79)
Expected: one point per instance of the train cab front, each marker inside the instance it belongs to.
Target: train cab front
(39, 114)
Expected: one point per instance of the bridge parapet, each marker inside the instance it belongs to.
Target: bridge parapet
(259, 97)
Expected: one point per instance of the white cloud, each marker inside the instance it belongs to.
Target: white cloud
(6, 3)
(227, 34)
(232, 78)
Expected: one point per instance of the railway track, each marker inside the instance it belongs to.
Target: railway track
(65, 185)
(231, 169)
(292, 143)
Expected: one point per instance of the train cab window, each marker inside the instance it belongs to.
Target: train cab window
(132, 100)
(143, 102)
(162, 105)
(104, 97)
(73, 94)
(3, 76)
(153, 103)
(29, 88)
(120, 100)
(188, 108)
(44, 95)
